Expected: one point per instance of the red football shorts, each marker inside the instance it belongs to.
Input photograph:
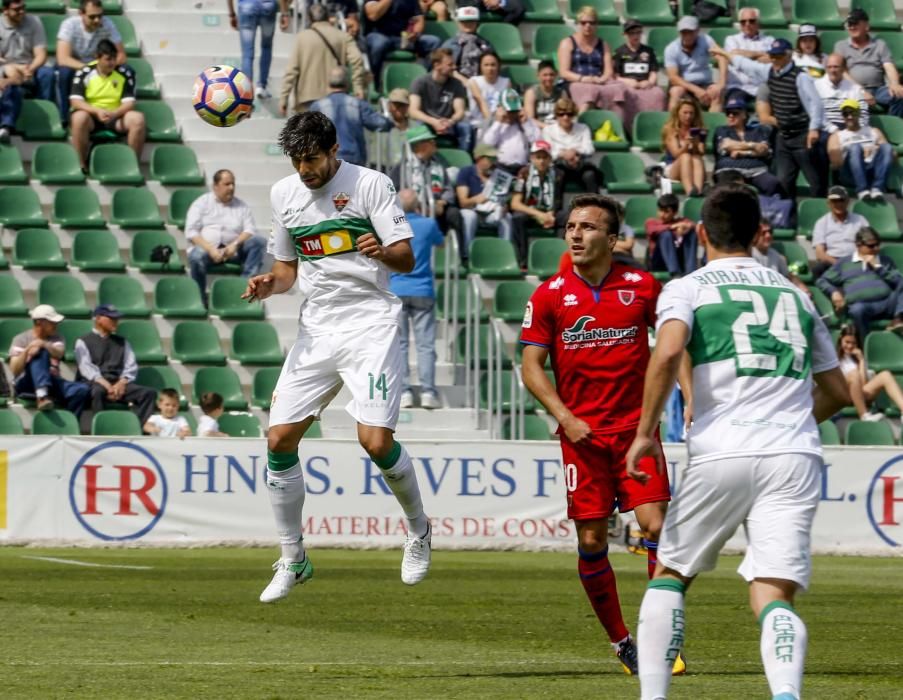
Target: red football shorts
(595, 475)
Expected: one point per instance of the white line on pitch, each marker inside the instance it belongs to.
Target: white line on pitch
(75, 562)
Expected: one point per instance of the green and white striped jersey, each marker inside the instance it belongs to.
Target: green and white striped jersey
(755, 341)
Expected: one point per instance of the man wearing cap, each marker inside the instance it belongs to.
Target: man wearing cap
(394, 25)
(869, 63)
(398, 109)
(508, 11)
(511, 132)
(467, 46)
(34, 360)
(482, 191)
(751, 43)
(439, 100)
(107, 362)
(687, 66)
(833, 234)
(536, 201)
(862, 154)
(745, 150)
(636, 66)
(833, 89)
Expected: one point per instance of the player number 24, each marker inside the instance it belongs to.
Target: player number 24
(378, 384)
(783, 323)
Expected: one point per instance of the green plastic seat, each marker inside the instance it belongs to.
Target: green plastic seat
(160, 121)
(796, 255)
(685, 7)
(624, 173)
(96, 251)
(10, 423)
(860, 432)
(494, 258)
(180, 201)
(483, 347)
(226, 301)
(830, 37)
(400, 75)
(895, 252)
(127, 31)
(263, 385)
(115, 164)
(891, 127)
(125, 293)
(65, 294)
(110, 7)
(71, 329)
(594, 118)
(824, 14)
(505, 39)
(692, 208)
(522, 76)
(771, 12)
(459, 292)
(647, 131)
(20, 208)
(546, 39)
(542, 11)
(885, 404)
(455, 157)
(55, 422)
(135, 207)
(649, 12)
(145, 341)
(56, 164)
(808, 212)
(882, 216)
(659, 38)
(504, 401)
(38, 249)
(256, 343)
(143, 245)
(124, 423)
(712, 120)
(4, 263)
(161, 377)
(535, 428)
(605, 9)
(882, 13)
(9, 329)
(197, 342)
(828, 432)
(224, 382)
(511, 299)
(544, 257)
(824, 307)
(55, 6)
(175, 165)
(12, 170)
(894, 41)
(178, 297)
(240, 425)
(884, 350)
(145, 84)
(39, 120)
(639, 208)
(77, 207)
(442, 30)
(439, 263)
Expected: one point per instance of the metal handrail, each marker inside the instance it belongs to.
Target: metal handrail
(496, 410)
(472, 338)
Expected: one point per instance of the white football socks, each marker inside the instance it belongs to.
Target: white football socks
(402, 480)
(783, 646)
(660, 636)
(286, 489)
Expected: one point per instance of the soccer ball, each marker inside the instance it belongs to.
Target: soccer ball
(223, 96)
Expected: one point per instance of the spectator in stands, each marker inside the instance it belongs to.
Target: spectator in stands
(870, 64)
(796, 112)
(508, 11)
(318, 49)
(635, 65)
(486, 92)
(584, 60)
(220, 228)
(623, 250)
(350, 116)
(536, 200)
(751, 43)
(212, 407)
(511, 133)
(687, 66)
(572, 148)
(23, 52)
(540, 99)
(672, 244)
(168, 422)
(34, 360)
(866, 284)
(438, 7)
(467, 46)
(76, 45)
(107, 362)
(398, 105)
(865, 385)
(861, 153)
(833, 89)
(683, 142)
(483, 191)
(439, 99)
(103, 97)
(744, 149)
(833, 235)
(766, 256)
(254, 15)
(418, 299)
(808, 54)
(395, 24)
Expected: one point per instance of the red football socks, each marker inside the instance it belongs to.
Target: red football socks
(598, 581)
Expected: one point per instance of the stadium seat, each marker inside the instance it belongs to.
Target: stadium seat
(505, 39)
(659, 38)
(639, 208)
(894, 41)
(96, 251)
(10, 423)
(885, 404)
(546, 39)
(20, 207)
(178, 297)
(594, 118)
(829, 433)
(895, 252)
(54, 6)
(175, 165)
(56, 422)
(240, 425)
(224, 382)
(125, 293)
(135, 207)
(685, 7)
(180, 201)
(510, 300)
(460, 293)
(56, 164)
(612, 35)
(145, 83)
(882, 13)
(824, 307)
(401, 75)
(129, 39)
(882, 216)
(263, 385)
(162, 377)
(891, 127)
(455, 157)
(544, 257)
(822, 13)
(712, 120)
(535, 428)
(115, 422)
(624, 173)
(483, 348)
(71, 329)
(796, 255)
(256, 343)
(12, 301)
(649, 12)
(860, 432)
(439, 263)
(505, 399)
(522, 76)
(191, 420)
(115, 164)
(160, 121)
(884, 350)
(110, 7)
(65, 294)
(808, 212)
(12, 171)
(77, 207)
(38, 249)
(494, 258)
(226, 301)
(647, 130)
(771, 12)
(4, 263)
(605, 10)
(39, 120)
(443, 30)
(542, 11)
(197, 342)
(145, 341)
(9, 329)
(143, 245)
(692, 208)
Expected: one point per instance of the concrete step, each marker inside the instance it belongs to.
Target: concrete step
(190, 64)
(189, 37)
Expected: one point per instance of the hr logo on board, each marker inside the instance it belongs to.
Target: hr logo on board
(885, 502)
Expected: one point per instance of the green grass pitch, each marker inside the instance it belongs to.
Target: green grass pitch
(482, 625)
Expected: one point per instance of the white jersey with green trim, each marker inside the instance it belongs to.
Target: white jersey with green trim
(341, 289)
(755, 342)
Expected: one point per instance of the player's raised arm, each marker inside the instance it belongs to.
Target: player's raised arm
(536, 380)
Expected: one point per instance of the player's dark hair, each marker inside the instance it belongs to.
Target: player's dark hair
(7, 3)
(168, 393)
(105, 48)
(545, 64)
(668, 201)
(83, 5)
(847, 329)
(220, 174)
(437, 56)
(318, 13)
(211, 401)
(307, 134)
(731, 217)
(607, 204)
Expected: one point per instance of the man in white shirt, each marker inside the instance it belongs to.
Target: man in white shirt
(220, 228)
(833, 89)
(752, 44)
(834, 233)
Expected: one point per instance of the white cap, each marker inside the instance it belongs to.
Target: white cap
(688, 23)
(45, 312)
(468, 14)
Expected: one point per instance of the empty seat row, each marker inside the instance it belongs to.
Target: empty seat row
(39, 120)
(858, 432)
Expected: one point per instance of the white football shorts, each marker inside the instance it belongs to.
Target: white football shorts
(368, 362)
(774, 497)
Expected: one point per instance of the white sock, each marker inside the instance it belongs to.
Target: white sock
(402, 480)
(660, 636)
(41, 392)
(286, 489)
(784, 640)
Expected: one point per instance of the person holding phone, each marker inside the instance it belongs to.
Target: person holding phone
(683, 141)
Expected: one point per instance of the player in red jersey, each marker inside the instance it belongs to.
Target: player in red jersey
(593, 319)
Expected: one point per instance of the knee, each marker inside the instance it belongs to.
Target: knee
(377, 443)
(592, 540)
(136, 121)
(253, 244)
(79, 121)
(279, 439)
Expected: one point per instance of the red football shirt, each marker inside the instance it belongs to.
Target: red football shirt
(598, 341)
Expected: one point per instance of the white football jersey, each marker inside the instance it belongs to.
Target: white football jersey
(342, 290)
(755, 341)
